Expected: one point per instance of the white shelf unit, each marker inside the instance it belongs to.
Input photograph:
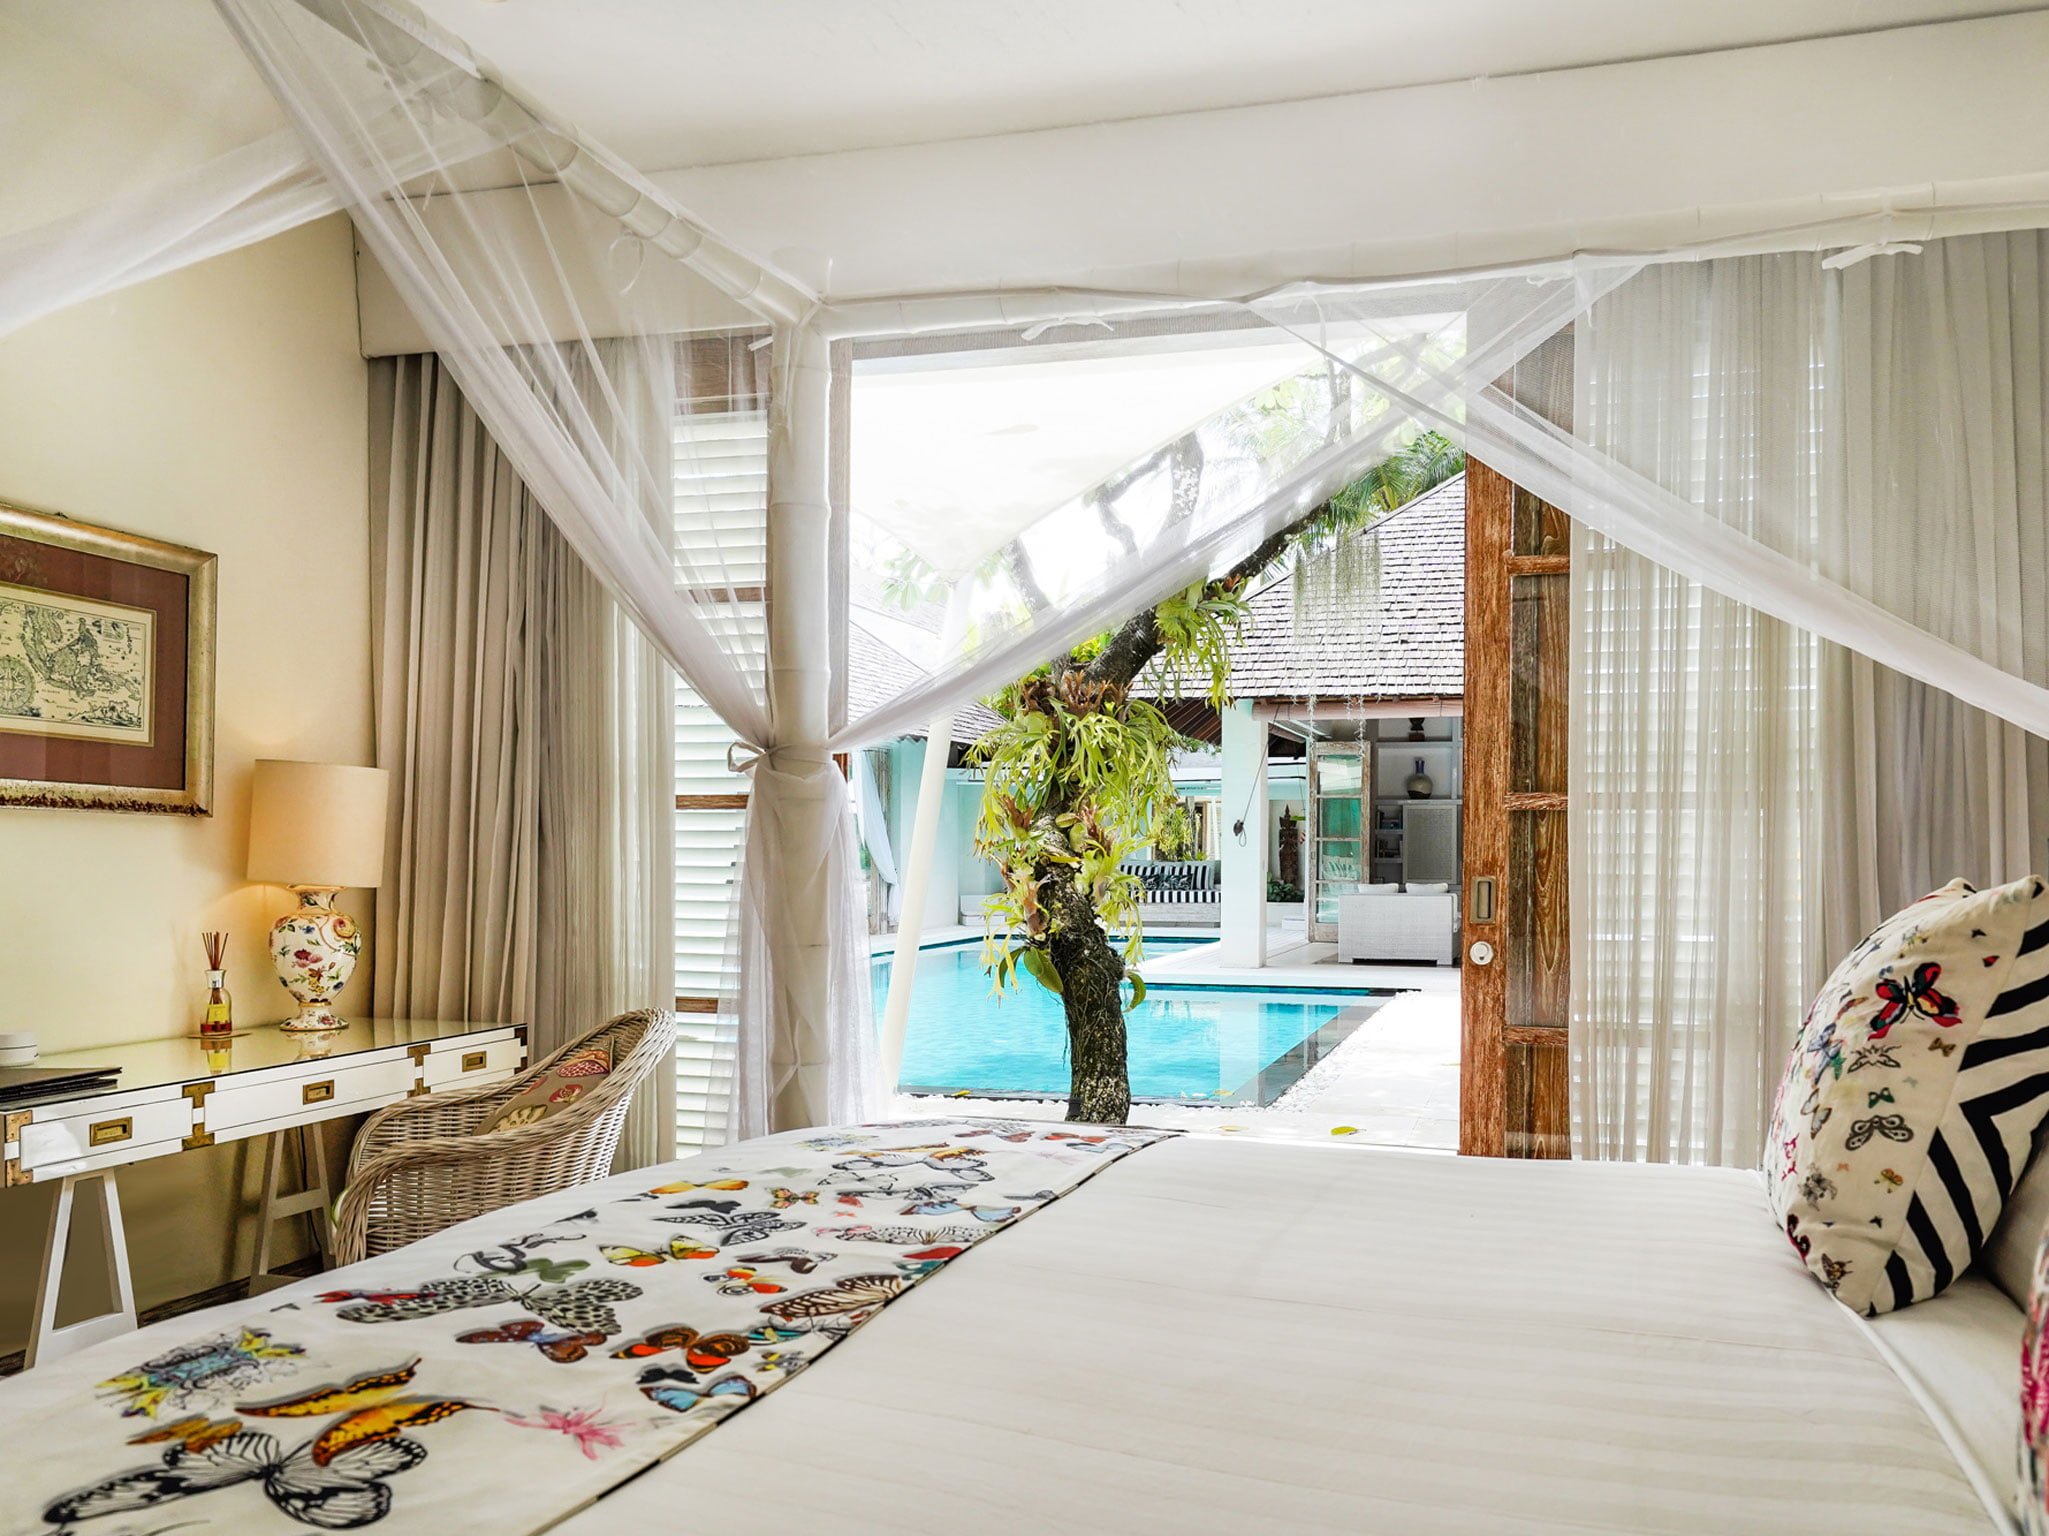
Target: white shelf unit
(1423, 843)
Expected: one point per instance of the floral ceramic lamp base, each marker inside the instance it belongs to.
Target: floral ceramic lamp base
(315, 950)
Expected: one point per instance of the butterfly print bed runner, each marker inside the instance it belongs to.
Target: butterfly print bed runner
(579, 1338)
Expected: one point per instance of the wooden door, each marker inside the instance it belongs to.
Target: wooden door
(1516, 971)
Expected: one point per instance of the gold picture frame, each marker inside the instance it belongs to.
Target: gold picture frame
(106, 668)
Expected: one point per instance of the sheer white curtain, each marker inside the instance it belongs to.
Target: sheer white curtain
(1693, 785)
(1938, 505)
(111, 181)
(1045, 483)
(592, 252)
(875, 831)
(1748, 801)
(160, 225)
(1642, 513)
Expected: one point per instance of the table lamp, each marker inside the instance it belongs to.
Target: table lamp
(316, 827)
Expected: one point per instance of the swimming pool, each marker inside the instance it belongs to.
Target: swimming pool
(1215, 1044)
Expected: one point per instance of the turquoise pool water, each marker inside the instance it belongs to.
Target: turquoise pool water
(1185, 1043)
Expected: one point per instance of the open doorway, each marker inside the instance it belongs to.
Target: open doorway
(1350, 645)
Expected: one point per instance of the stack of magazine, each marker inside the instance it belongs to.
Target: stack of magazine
(21, 1083)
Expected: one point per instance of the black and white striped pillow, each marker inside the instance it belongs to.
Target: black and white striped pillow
(1911, 1102)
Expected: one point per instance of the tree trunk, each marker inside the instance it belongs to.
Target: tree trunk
(1091, 972)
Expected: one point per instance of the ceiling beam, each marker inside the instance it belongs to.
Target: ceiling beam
(1779, 143)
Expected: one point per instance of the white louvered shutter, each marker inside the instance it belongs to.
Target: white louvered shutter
(721, 526)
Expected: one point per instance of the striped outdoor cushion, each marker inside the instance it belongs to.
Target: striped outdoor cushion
(1910, 1104)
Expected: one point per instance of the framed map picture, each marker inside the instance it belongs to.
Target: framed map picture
(106, 668)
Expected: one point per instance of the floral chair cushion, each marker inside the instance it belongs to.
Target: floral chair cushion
(1910, 1104)
(558, 1088)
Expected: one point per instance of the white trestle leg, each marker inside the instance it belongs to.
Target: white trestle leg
(48, 1341)
(311, 1202)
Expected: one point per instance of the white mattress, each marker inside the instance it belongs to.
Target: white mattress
(1960, 1352)
(1223, 1337)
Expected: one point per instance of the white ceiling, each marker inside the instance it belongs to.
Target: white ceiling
(671, 83)
(699, 82)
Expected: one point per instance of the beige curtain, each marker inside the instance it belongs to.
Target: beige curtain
(527, 726)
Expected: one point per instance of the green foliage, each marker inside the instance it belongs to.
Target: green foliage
(1174, 837)
(1042, 969)
(909, 580)
(1077, 778)
(1278, 889)
(1424, 462)
(1196, 627)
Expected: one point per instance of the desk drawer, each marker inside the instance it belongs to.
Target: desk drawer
(107, 1136)
(343, 1089)
(459, 1063)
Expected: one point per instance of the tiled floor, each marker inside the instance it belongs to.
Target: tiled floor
(1395, 1081)
(1292, 961)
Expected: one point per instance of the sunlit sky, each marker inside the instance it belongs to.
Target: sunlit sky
(955, 456)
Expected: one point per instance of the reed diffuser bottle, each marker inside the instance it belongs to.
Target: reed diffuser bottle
(219, 1018)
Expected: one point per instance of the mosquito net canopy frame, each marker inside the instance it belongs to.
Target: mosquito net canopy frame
(558, 283)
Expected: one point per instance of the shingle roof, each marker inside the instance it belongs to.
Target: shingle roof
(1414, 646)
(877, 672)
(1404, 640)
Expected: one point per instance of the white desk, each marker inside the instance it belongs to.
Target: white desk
(173, 1095)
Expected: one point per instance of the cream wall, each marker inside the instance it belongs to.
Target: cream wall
(222, 407)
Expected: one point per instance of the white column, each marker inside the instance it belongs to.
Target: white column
(1243, 937)
(917, 863)
(799, 693)
(903, 970)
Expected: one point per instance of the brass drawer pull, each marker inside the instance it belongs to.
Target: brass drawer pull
(317, 1093)
(104, 1133)
(473, 1061)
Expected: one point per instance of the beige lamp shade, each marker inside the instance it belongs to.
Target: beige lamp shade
(317, 824)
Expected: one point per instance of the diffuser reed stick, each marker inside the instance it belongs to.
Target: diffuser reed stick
(219, 1018)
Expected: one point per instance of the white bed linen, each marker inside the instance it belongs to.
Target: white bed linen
(1228, 1337)
(1960, 1352)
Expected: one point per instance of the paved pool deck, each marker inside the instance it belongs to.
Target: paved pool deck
(1393, 1082)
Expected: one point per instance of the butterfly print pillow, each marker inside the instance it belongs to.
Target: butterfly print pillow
(1909, 1107)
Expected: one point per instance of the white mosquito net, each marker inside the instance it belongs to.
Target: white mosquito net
(1044, 463)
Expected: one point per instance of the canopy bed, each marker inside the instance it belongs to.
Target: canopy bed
(1126, 1325)
(1018, 1328)
(1150, 1332)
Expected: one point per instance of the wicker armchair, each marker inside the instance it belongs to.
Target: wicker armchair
(420, 1165)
